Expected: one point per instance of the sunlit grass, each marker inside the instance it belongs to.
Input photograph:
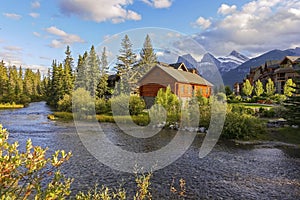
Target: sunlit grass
(10, 106)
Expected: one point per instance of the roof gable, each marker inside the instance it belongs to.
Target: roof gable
(292, 59)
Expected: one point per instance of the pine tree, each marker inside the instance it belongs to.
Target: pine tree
(93, 71)
(3, 81)
(292, 103)
(259, 89)
(68, 78)
(148, 56)
(270, 88)
(102, 87)
(247, 88)
(126, 63)
(13, 88)
(81, 72)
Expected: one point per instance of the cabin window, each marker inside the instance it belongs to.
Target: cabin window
(182, 89)
(207, 90)
(200, 91)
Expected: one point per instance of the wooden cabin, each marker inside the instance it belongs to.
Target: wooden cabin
(183, 82)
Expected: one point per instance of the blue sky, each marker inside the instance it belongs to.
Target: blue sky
(33, 33)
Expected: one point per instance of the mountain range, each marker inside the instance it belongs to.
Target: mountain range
(233, 67)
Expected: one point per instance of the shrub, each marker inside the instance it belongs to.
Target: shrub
(205, 116)
(65, 104)
(83, 104)
(268, 113)
(202, 101)
(170, 102)
(125, 104)
(278, 98)
(136, 105)
(243, 126)
(102, 106)
(29, 174)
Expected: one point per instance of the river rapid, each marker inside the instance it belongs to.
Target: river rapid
(230, 171)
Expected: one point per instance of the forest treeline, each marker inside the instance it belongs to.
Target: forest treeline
(21, 86)
(90, 72)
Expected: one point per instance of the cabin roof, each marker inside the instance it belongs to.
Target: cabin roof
(181, 76)
(293, 59)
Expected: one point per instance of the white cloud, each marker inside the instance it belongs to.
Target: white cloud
(55, 31)
(34, 15)
(64, 38)
(202, 23)
(12, 48)
(226, 9)
(100, 10)
(159, 3)
(12, 16)
(256, 27)
(35, 4)
(36, 34)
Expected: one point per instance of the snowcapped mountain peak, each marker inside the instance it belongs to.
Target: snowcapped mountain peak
(236, 54)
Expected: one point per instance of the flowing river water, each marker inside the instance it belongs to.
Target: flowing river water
(230, 171)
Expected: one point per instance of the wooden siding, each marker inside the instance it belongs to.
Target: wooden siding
(189, 90)
(150, 90)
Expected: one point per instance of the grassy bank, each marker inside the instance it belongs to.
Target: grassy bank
(10, 106)
(284, 134)
(138, 119)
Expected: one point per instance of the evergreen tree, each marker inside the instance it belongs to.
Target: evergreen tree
(68, 78)
(289, 88)
(148, 56)
(126, 63)
(292, 103)
(13, 88)
(93, 71)
(270, 88)
(259, 89)
(247, 88)
(81, 72)
(56, 84)
(102, 87)
(3, 81)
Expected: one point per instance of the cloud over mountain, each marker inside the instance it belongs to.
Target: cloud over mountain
(253, 28)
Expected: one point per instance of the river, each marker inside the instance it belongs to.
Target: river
(229, 172)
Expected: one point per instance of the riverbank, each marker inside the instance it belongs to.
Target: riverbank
(10, 106)
(141, 120)
(283, 135)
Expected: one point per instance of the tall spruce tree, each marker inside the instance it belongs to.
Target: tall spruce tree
(125, 66)
(68, 78)
(3, 81)
(148, 56)
(93, 71)
(102, 87)
(81, 72)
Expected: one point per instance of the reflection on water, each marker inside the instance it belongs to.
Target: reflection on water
(229, 171)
